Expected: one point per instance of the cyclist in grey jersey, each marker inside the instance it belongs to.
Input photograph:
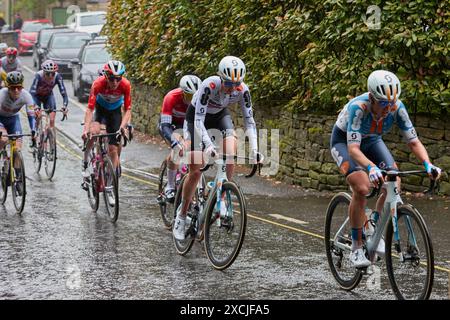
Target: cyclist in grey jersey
(209, 110)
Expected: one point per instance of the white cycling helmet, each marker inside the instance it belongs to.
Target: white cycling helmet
(114, 68)
(384, 85)
(232, 69)
(49, 66)
(190, 83)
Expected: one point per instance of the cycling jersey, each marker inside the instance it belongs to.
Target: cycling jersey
(210, 99)
(359, 122)
(42, 89)
(173, 113)
(107, 98)
(8, 67)
(11, 108)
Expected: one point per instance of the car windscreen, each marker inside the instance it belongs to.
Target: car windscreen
(96, 55)
(45, 36)
(69, 41)
(92, 20)
(35, 26)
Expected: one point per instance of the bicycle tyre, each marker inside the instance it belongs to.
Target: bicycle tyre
(38, 152)
(19, 199)
(49, 154)
(111, 190)
(228, 225)
(403, 212)
(166, 208)
(354, 275)
(182, 246)
(92, 190)
(4, 176)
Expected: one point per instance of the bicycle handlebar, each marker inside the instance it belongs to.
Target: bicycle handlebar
(255, 166)
(393, 174)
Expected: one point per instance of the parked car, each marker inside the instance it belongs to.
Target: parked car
(63, 47)
(28, 34)
(85, 68)
(91, 21)
(41, 43)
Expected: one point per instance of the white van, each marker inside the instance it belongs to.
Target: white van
(91, 21)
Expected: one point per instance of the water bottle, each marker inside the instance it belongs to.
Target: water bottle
(184, 169)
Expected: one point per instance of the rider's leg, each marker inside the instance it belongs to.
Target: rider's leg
(94, 129)
(359, 182)
(192, 179)
(173, 165)
(50, 104)
(3, 139)
(229, 147)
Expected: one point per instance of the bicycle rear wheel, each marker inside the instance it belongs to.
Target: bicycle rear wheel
(183, 246)
(50, 154)
(338, 242)
(410, 260)
(111, 191)
(166, 208)
(224, 233)
(92, 183)
(38, 152)
(4, 176)
(19, 184)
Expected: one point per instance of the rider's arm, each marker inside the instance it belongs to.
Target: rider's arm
(33, 88)
(249, 121)
(91, 105)
(87, 119)
(126, 118)
(30, 110)
(19, 65)
(201, 106)
(354, 136)
(62, 89)
(165, 124)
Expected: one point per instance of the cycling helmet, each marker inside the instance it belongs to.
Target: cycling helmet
(232, 69)
(114, 68)
(11, 51)
(190, 83)
(49, 66)
(14, 78)
(384, 85)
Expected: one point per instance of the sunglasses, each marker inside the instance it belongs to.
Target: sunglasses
(231, 84)
(11, 56)
(113, 78)
(50, 74)
(385, 103)
(15, 88)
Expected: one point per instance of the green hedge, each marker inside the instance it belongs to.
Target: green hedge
(302, 55)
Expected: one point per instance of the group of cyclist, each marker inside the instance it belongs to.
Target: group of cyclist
(197, 106)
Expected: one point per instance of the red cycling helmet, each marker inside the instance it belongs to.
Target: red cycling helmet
(11, 51)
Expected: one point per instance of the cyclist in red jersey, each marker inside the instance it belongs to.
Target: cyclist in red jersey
(173, 112)
(108, 94)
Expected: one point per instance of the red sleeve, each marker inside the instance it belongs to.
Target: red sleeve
(93, 95)
(127, 95)
(168, 104)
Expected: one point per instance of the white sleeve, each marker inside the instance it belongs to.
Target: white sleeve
(247, 114)
(201, 106)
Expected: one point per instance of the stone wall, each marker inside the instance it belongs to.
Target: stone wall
(305, 157)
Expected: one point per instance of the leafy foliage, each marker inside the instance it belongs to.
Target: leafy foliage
(302, 55)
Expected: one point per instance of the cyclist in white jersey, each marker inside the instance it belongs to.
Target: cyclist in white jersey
(209, 110)
(12, 99)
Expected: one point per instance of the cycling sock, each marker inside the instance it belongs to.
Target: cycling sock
(171, 175)
(357, 235)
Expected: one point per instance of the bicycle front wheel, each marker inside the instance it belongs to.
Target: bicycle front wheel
(225, 226)
(38, 152)
(338, 242)
(4, 176)
(166, 208)
(50, 154)
(111, 192)
(410, 259)
(19, 186)
(183, 246)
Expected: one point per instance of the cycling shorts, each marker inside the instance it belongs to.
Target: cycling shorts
(111, 119)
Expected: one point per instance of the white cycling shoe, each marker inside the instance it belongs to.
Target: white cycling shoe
(178, 228)
(358, 259)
